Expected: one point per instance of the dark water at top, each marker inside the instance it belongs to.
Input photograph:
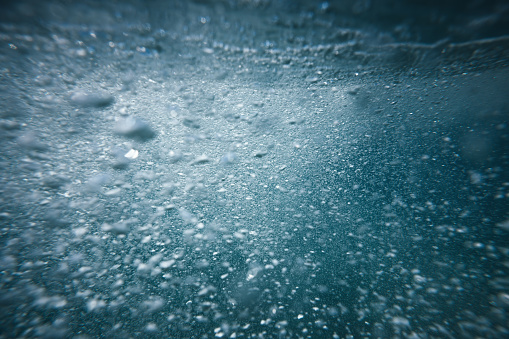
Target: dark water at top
(254, 169)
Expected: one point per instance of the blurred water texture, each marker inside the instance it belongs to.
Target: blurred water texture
(254, 169)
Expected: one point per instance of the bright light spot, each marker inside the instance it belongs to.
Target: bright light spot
(132, 154)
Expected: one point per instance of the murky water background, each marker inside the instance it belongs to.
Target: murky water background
(254, 169)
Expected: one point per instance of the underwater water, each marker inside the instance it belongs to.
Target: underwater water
(254, 169)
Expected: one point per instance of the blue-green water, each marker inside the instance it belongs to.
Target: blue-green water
(253, 169)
